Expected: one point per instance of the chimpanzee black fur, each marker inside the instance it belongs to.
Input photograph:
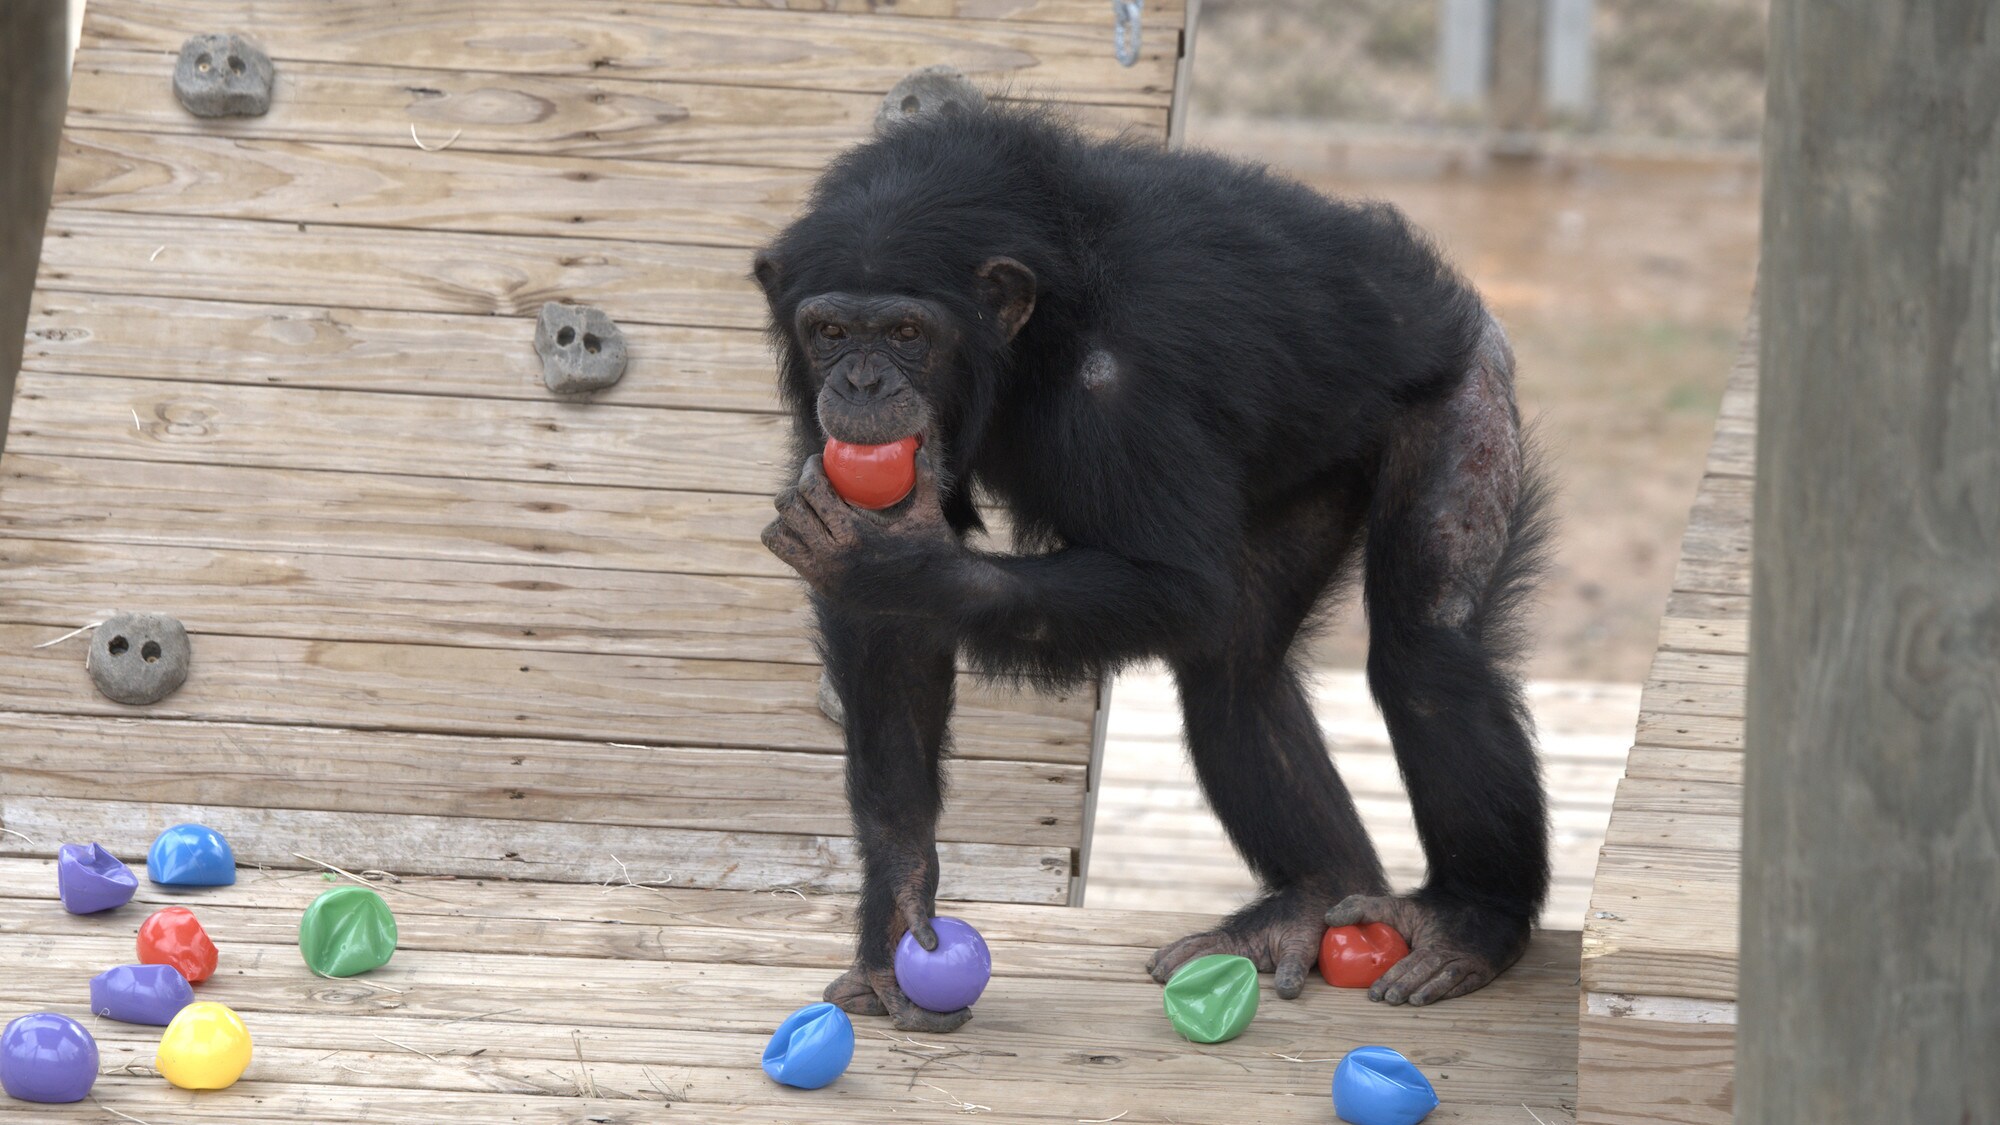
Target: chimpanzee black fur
(1201, 391)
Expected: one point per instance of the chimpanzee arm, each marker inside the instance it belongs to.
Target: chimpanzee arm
(1061, 614)
(895, 686)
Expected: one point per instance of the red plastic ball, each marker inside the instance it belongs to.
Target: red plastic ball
(173, 937)
(1357, 956)
(872, 476)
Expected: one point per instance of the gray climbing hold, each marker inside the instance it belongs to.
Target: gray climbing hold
(581, 349)
(139, 658)
(933, 91)
(223, 76)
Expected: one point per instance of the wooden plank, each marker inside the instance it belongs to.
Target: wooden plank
(401, 271)
(1715, 551)
(595, 115)
(475, 605)
(1637, 1071)
(416, 518)
(1024, 11)
(1663, 763)
(1681, 815)
(1036, 11)
(573, 851)
(319, 348)
(467, 691)
(512, 778)
(1706, 623)
(797, 50)
(1119, 1014)
(1663, 922)
(407, 188)
(1692, 732)
(742, 927)
(1694, 683)
(412, 435)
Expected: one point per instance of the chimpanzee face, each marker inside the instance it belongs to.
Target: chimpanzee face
(880, 362)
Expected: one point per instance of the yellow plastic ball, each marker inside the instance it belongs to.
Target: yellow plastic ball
(205, 1048)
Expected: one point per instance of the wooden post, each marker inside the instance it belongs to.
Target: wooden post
(1465, 50)
(34, 86)
(1870, 971)
(1568, 53)
(1517, 72)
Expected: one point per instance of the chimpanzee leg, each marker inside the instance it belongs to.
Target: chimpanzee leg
(1454, 537)
(1257, 749)
(895, 686)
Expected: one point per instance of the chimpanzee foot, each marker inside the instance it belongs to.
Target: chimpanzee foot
(854, 995)
(1456, 947)
(1279, 934)
(874, 992)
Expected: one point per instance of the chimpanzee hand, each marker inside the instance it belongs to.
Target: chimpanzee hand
(870, 988)
(852, 555)
(1455, 946)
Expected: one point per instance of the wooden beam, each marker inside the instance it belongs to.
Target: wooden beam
(1870, 991)
(34, 68)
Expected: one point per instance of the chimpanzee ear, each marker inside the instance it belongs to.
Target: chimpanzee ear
(1008, 288)
(765, 269)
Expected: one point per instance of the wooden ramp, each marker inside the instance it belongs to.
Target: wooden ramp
(1659, 943)
(1156, 845)
(525, 653)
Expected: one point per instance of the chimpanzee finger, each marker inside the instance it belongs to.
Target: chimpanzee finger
(780, 541)
(1405, 976)
(1296, 955)
(1355, 910)
(804, 519)
(917, 918)
(818, 492)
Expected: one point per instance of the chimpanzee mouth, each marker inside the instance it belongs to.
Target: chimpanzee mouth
(876, 423)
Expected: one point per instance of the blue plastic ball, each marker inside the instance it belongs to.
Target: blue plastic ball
(811, 1048)
(1377, 1086)
(191, 855)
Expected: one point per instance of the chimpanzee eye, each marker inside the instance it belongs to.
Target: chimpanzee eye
(832, 332)
(905, 332)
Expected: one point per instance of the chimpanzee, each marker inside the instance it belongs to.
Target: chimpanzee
(1201, 392)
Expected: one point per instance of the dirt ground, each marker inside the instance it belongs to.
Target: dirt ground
(1623, 283)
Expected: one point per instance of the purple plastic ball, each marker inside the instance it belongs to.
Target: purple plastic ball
(90, 879)
(150, 994)
(949, 977)
(45, 1057)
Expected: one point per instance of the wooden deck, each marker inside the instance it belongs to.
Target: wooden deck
(1156, 846)
(521, 1002)
(1659, 943)
(525, 653)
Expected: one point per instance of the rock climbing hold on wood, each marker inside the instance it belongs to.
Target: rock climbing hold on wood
(223, 76)
(138, 658)
(581, 349)
(932, 91)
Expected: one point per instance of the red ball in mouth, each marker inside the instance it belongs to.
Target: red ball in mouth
(872, 476)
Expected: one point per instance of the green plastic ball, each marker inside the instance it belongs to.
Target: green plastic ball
(347, 931)
(1212, 999)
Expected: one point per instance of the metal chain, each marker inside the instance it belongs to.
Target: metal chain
(1125, 29)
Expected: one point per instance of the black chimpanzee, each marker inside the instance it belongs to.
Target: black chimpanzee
(1201, 391)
